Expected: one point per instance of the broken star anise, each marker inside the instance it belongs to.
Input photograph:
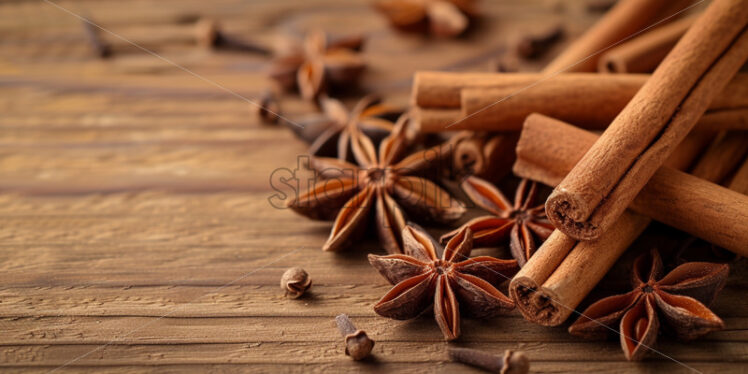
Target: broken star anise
(680, 299)
(328, 133)
(319, 63)
(443, 18)
(520, 222)
(348, 192)
(422, 278)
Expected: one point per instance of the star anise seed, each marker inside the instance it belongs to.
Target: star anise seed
(318, 63)
(420, 278)
(328, 133)
(350, 192)
(519, 222)
(679, 299)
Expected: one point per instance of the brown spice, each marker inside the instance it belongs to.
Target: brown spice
(610, 175)
(512, 362)
(643, 53)
(381, 182)
(268, 108)
(295, 281)
(534, 46)
(521, 222)
(319, 64)
(563, 271)
(626, 18)
(442, 18)
(488, 156)
(99, 47)
(330, 137)
(421, 278)
(549, 148)
(210, 36)
(357, 343)
(681, 297)
(485, 102)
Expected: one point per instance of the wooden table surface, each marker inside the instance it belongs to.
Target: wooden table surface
(137, 226)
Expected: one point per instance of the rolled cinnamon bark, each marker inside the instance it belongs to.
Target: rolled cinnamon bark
(489, 156)
(439, 89)
(624, 20)
(728, 149)
(549, 148)
(568, 97)
(739, 182)
(610, 175)
(643, 53)
(563, 271)
(586, 100)
(435, 119)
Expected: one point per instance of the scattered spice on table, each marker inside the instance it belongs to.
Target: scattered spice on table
(442, 18)
(422, 278)
(319, 64)
(680, 300)
(521, 222)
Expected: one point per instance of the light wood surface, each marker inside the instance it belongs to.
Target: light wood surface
(136, 231)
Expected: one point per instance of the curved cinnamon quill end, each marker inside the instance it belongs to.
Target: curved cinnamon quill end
(611, 63)
(536, 304)
(571, 215)
(468, 156)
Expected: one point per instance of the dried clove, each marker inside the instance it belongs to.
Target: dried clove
(267, 108)
(210, 36)
(295, 282)
(100, 48)
(534, 46)
(357, 343)
(513, 362)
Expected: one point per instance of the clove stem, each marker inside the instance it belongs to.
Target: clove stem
(512, 362)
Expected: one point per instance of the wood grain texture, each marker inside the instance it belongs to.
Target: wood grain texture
(139, 230)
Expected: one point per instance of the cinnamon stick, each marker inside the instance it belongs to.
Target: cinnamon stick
(728, 149)
(563, 270)
(567, 96)
(739, 182)
(437, 89)
(624, 20)
(643, 53)
(610, 175)
(489, 156)
(549, 148)
(586, 100)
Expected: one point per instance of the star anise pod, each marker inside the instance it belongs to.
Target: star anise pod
(680, 299)
(328, 133)
(318, 64)
(422, 277)
(443, 18)
(348, 192)
(519, 222)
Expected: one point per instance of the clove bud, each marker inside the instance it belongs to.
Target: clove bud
(209, 35)
(357, 343)
(267, 108)
(534, 46)
(295, 281)
(513, 362)
(100, 48)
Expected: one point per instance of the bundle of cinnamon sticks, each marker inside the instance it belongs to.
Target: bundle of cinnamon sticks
(674, 118)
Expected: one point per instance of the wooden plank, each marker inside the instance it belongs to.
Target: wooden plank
(178, 330)
(332, 352)
(248, 299)
(378, 366)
